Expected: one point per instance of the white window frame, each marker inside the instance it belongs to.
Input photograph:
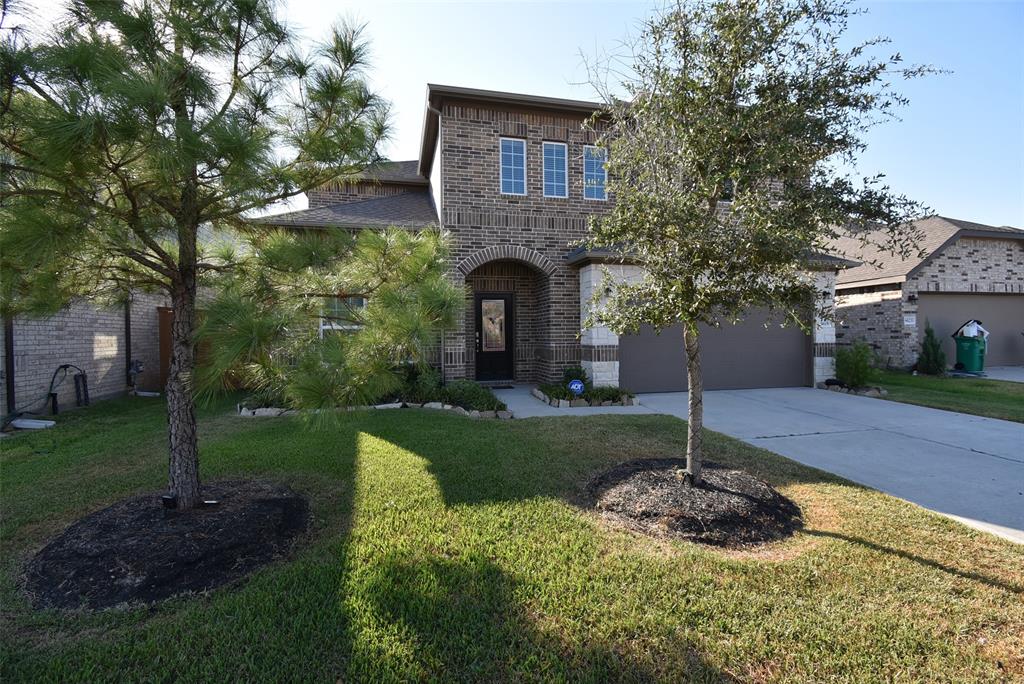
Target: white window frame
(544, 168)
(328, 324)
(526, 165)
(604, 169)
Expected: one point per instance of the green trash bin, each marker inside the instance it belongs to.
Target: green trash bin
(970, 352)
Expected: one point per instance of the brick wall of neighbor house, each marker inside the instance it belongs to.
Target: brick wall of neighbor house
(90, 337)
(479, 217)
(886, 316)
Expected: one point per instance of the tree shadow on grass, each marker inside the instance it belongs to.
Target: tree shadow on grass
(963, 574)
(467, 621)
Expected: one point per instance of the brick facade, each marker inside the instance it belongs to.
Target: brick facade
(90, 337)
(485, 226)
(885, 316)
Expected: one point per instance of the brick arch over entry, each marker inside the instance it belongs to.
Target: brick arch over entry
(512, 252)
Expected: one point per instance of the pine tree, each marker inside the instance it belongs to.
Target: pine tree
(131, 125)
(932, 360)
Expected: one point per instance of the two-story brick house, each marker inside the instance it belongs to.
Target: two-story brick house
(513, 179)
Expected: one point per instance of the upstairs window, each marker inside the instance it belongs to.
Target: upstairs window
(594, 174)
(342, 313)
(556, 169)
(513, 166)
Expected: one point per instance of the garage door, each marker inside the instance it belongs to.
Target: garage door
(1002, 315)
(741, 356)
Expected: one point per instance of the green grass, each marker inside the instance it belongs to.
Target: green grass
(449, 549)
(977, 396)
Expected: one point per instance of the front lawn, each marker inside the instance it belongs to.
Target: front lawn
(977, 396)
(449, 549)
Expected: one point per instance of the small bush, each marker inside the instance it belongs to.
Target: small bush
(599, 394)
(471, 396)
(932, 359)
(556, 391)
(420, 385)
(854, 364)
(576, 373)
(591, 394)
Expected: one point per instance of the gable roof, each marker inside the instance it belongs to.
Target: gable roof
(437, 93)
(402, 172)
(937, 233)
(405, 210)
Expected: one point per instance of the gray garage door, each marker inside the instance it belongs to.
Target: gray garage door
(1002, 315)
(741, 356)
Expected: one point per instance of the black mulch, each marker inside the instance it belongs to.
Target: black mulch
(136, 551)
(730, 508)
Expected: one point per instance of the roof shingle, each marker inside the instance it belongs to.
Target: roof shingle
(880, 266)
(405, 210)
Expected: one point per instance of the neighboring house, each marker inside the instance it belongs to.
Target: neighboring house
(513, 179)
(966, 270)
(101, 341)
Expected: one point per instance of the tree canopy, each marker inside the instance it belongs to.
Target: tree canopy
(729, 162)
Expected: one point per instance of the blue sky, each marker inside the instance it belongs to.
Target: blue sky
(959, 147)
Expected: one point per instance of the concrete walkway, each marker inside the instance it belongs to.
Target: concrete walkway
(967, 467)
(1010, 373)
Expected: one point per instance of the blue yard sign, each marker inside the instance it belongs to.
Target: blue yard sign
(576, 387)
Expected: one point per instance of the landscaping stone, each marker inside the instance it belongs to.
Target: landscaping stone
(579, 403)
(460, 411)
(434, 405)
(540, 395)
(606, 402)
(563, 403)
(395, 405)
(504, 415)
(267, 412)
(474, 414)
(488, 414)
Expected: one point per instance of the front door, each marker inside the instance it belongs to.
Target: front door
(495, 343)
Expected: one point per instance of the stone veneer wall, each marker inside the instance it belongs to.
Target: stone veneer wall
(539, 231)
(885, 316)
(89, 337)
(601, 345)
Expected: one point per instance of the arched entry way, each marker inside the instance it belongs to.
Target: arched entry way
(507, 313)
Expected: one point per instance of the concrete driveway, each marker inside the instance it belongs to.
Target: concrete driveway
(1010, 373)
(967, 467)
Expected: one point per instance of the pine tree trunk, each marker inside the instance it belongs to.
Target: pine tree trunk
(181, 415)
(695, 410)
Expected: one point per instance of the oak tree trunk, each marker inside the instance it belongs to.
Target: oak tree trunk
(695, 409)
(183, 469)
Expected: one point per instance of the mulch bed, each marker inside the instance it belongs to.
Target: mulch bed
(136, 551)
(730, 508)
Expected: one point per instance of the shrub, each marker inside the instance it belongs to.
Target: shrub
(471, 396)
(591, 394)
(599, 394)
(853, 364)
(420, 384)
(932, 359)
(556, 391)
(576, 373)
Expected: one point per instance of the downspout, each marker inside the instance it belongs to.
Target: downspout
(129, 379)
(9, 362)
(440, 214)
